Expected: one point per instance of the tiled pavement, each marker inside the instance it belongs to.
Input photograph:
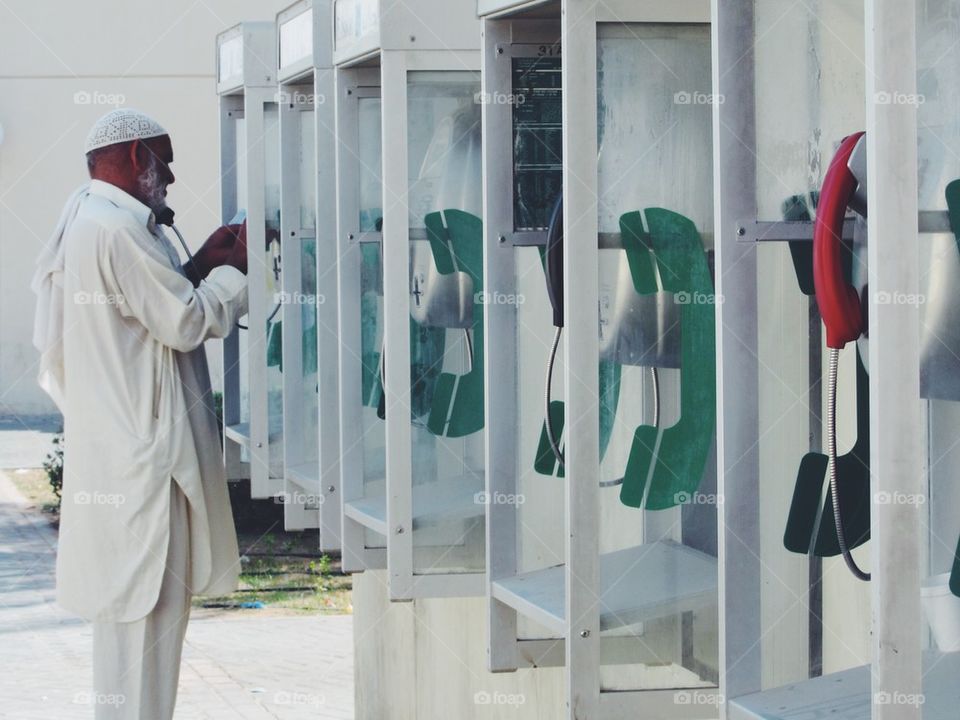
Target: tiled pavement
(241, 666)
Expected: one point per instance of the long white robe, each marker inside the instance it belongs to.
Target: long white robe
(138, 410)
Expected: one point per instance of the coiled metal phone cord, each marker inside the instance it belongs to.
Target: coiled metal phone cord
(834, 360)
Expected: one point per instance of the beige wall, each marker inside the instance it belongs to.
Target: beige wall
(428, 659)
(62, 65)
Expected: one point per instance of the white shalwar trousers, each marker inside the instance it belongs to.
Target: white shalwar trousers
(136, 665)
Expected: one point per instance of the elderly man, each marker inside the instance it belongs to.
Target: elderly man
(146, 519)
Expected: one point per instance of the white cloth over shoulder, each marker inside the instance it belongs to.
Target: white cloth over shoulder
(134, 388)
(48, 285)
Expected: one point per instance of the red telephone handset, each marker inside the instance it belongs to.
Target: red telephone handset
(838, 301)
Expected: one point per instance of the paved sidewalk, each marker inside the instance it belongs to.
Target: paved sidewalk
(238, 666)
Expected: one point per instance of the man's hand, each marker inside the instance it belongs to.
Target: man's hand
(218, 247)
(216, 251)
(238, 253)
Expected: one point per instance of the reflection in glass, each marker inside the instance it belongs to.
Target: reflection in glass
(372, 432)
(801, 118)
(656, 364)
(272, 295)
(243, 360)
(537, 139)
(307, 300)
(537, 181)
(939, 292)
(446, 285)
(369, 151)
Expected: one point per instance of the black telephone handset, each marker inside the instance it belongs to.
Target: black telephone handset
(553, 269)
(553, 261)
(165, 216)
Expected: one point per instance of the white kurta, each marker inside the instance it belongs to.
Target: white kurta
(138, 410)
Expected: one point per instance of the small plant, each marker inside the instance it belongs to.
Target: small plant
(53, 465)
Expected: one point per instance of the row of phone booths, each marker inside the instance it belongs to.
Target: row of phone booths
(637, 320)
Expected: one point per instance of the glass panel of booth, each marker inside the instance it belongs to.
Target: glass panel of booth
(937, 101)
(524, 148)
(308, 172)
(230, 58)
(370, 219)
(353, 19)
(273, 291)
(538, 133)
(446, 325)
(535, 93)
(308, 287)
(243, 337)
(657, 378)
(300, 295)
(296, 38)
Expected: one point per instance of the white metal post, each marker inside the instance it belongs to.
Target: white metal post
(500, 357)
(296, 515)
(328, 342)
(896, 541)
(581, 353)
(396, 302)
(350, 450)
(230, 107)
(738, 431)
(255, 151)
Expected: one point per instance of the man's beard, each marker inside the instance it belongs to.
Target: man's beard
(152, 188)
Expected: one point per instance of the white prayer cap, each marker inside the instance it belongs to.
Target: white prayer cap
(122, 125)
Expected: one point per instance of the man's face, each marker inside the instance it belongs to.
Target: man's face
(153, 158)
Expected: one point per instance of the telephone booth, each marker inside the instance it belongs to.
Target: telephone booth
(250, 192)
(837, 266)
(304, 347)
(598, 250)
(412, 302)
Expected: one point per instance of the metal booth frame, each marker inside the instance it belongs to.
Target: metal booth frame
(896, 545)
(246, 80)
(305, 76)
(373, 59)
(575, 619)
